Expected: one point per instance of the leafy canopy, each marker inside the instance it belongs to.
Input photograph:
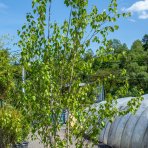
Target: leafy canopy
(52, 56)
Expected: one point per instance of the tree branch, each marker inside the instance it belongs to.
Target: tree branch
(49, 14)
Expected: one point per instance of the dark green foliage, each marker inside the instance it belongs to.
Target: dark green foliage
(133, 61)
(145, 42)
(10, 73)
(137, 66)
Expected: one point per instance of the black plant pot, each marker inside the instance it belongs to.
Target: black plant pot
(101, 145)
(17, 145)
(25, 144)
(21, 145)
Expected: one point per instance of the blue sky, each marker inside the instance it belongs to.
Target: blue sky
(12, 17)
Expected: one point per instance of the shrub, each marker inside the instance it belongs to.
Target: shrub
(13, 126)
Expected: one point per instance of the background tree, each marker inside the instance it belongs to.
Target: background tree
(137, 66)
(145, 42)
(12, 122)
(10, 73)
(5, 69)
(4, 66)
(133, 60)
(113, 63)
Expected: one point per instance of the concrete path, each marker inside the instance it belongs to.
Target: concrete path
(37, 143)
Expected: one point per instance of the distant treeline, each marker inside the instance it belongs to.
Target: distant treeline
(133, 61)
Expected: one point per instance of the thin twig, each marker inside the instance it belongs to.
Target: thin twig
(49, 17)
(94, 31)
(69, 22)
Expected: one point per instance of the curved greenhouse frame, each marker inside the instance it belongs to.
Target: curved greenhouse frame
(129, 131)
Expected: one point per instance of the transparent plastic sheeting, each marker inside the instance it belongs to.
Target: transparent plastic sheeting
(129, 131)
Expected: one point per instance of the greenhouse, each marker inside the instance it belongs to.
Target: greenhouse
(129, 131)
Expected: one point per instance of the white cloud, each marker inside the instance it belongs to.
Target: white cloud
(141, 8)
(143, 15)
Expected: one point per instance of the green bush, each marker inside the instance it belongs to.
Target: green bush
(13, 126)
